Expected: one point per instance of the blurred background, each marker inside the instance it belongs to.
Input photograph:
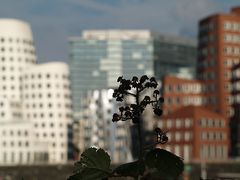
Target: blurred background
(59, 64)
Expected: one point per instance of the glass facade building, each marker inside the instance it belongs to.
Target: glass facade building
(172, 53)
(99, 57)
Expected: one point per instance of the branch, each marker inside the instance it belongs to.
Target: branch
(128, 93)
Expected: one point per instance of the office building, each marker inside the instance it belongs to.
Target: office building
(46, 102)
(219, 49)
(218, 69)
(34, 99)
(99, 57)
(196, 134)
(172, 53)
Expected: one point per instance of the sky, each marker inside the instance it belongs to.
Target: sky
(54, 21)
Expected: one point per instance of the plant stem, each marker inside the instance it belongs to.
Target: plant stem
(140, 155)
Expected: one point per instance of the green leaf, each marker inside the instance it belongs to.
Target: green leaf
(169, 165)
(132, 169)
(94, 164)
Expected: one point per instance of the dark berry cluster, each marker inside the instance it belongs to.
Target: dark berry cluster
(134, 88)
(161, 136)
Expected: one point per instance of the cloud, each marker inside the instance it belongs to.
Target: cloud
(53, 21)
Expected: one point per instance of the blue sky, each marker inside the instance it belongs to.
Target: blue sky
(53, 21)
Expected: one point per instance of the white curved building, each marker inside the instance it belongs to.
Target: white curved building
(19, 146)
(16, 54)
(47, 103)
(33, 99)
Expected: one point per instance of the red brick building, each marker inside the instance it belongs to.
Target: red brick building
(179, 92)
(214, 89)
(219, 50)
(195, 134)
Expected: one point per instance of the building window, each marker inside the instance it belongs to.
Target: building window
(169, 123)
(178, 123)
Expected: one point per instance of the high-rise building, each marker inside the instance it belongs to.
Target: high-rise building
(34, 99)
(17, 145)
(218, 51)
(218, 70)
(219, 48)
(16, 54)
(99, 57)
(46, 102)
(172, 53)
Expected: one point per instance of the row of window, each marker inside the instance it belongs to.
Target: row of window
(207, 27)
(207, 63)
(232, 38)
(11, 50)
(207, 51)
(10, 68)
(48, 76)
(17, 133)
(209, 38)
(190, 100)
(49, 105)
(11, 78)
(232, 26)
(15, 114)
(13, 143)
(210, 75)
(212, 63)
(217, 136)
(52, 135)
(179, 136)
(15, 40)
(51, 125)
(49, 115)
(231, 50)
(48, 85)
(19, 59)
(211, 151)
(185, 88)
(231, 62)
(178, 123)
(48, 95)
(207, 122)
(26, 157)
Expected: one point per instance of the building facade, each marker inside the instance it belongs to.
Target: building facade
(196, 134)
(99, 57)
(179, 92)
(171, 53)
(97, 128)
(47, 104)
(218, 51)
(19, 145)
(34, 99)
(16, 54)
(218, 69)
